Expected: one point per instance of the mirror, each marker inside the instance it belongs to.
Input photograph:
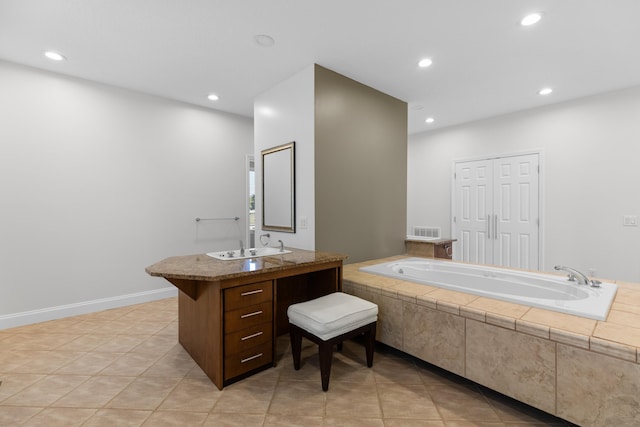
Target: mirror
(278, 188)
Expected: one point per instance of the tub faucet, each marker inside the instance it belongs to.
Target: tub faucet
(281, 245)
(241, 248)
(574, 274)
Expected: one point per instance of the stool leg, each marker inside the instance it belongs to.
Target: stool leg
(296, 345)
(326, 354)
(370, 341)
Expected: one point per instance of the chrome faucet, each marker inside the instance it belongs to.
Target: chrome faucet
(281, 245)
(241, 248)
(574, 274)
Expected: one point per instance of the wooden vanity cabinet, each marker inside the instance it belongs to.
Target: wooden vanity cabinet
(248, 328)
(228, 322)
(443, 250)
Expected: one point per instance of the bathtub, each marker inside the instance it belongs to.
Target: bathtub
(546, 291)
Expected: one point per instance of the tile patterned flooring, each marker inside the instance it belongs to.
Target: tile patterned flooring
(124, 367)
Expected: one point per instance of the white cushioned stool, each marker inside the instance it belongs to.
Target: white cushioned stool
(328, 321)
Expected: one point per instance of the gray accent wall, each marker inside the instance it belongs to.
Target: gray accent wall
(360, 168)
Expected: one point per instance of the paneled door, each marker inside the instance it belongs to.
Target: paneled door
(496, 211)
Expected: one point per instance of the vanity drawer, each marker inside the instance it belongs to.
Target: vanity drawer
(243, 296)
(246, 317)
(246, 360)
(244, 339)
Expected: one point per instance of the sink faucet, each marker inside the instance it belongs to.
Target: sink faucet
(574, 274)
(241, 248)
(281, 245)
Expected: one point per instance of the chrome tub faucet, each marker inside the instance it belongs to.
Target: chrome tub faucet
(575, 274)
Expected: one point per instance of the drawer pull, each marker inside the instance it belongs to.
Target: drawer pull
(251, 358)
(255, 313)
(244, 294)
(248, 337)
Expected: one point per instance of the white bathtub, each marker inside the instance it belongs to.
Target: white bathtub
(534, 289)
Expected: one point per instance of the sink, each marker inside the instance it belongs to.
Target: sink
(248, 253)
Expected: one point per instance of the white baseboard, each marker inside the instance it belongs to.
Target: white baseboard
(51, 313)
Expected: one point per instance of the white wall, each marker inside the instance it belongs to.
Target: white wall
(283, 114)
(591, 153)
(96, 183)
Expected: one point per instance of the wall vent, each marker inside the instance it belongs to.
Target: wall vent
(430, 232)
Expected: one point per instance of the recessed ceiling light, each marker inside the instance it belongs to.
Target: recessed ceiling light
(264, 40)
(430, 120)
(267, 111)
(545, 91)
(213, 97)
(531, 19)
(424, 63)
(54, 56)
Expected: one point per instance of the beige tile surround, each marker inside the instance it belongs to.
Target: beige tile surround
(583, 370)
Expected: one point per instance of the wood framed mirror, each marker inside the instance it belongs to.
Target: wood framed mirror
(278, 188)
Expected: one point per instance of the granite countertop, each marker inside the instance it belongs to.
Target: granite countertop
(204, 267)
(441, 241)
(618, 335)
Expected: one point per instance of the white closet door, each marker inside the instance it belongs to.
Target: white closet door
(515, 206)
(474, 207)
(496, 211)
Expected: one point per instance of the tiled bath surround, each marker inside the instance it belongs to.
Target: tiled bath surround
(583, 370)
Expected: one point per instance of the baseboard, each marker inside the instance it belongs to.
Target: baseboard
(51, 313)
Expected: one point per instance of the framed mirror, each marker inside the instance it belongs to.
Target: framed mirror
(278, 188)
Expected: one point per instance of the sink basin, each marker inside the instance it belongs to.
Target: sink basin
(248, 253)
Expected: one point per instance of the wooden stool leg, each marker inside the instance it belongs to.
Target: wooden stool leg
(326, 354)
(296, 345)
(370, 341)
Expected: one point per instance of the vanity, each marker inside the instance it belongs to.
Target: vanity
(431, 248)
(231, 312)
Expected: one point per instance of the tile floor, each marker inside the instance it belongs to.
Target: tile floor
(124, 367)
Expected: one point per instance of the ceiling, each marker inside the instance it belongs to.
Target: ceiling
(484, 62)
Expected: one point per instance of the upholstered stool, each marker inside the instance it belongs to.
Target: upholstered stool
(329, 320)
